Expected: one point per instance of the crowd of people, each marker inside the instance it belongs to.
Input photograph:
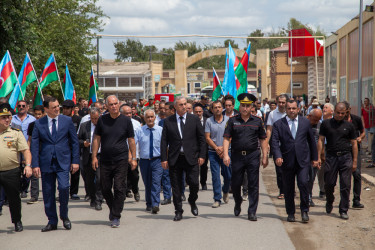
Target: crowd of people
(172, 144)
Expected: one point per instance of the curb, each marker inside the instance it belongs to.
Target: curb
(369, 179)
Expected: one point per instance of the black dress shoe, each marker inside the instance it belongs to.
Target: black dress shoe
(305, 217)
(204, 187)
(311, 203)
(357, 204)
(67, 224)
(291, 218)
(155, 210)
(183, 198)
(148, 209)
(237, 209)
(252, 217)
(178, 216)
(344, 216)
(18, 226)
(49, 227)
(92, 204)
(98, 207)
(166, 202)
(137, 197)
(329, 208)
(194, 209)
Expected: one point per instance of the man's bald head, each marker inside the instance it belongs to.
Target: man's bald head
(314, 116)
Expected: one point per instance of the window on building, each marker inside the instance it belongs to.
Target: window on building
(136, 81)
(123, 82)
(166, 74)
(110, 82)
(297, 85)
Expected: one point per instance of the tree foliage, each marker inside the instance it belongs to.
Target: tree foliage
(63, 27)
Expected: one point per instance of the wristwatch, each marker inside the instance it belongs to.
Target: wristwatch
(134, 159)
(28, 165)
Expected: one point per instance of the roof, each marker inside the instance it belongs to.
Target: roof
(110, 67)
(283, 47)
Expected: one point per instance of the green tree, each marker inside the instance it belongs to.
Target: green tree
(63, 27)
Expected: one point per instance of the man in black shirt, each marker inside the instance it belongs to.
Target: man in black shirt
(68, 106)
(360, 133)
(341, 157)
(244, 132)
(112, 132)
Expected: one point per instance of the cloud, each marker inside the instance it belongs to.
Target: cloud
(135, 25)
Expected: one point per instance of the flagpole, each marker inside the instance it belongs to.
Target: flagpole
(93, 76)
(58, 76)
(11, 61)
(37, 79)
(219, 82)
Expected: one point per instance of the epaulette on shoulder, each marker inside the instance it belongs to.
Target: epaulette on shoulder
(16, 129)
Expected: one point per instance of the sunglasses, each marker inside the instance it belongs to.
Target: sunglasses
(21, 106)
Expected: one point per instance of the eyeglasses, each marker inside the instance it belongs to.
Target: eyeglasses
(21, 106)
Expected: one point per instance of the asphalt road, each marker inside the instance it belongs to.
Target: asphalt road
(214, 228)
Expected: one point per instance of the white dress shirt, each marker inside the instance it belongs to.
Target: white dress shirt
(290, 123)
(92, 137)
(50, 123)
(179, 126)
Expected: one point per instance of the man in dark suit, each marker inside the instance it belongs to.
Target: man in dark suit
(198, 111)
(55, 152)
(294, 148)
(183, 148)
(92, 177)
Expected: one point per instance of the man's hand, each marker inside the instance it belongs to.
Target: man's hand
(354, 168)
(279, 162)
(315, 164)
(226, 160)
(200, 161)
(219, 150)
(27, 171)
(164, 165)
(74, 168)
(359, 139)
(94, 163)
(36, 172)
(133, 164)
(265, 161)
(86, 144)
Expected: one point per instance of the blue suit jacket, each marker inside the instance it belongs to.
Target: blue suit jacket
(302, 148)
(66, 144)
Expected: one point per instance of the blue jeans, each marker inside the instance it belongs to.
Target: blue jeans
(166, 182)
(215, 165)
(151, 172)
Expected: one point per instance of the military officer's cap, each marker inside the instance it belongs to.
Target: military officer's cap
(204, 97)
(246, 98)
(5, 109)
(151, 97)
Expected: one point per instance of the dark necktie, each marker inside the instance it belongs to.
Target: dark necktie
(54, 132)
(151, 143)
(182, 125)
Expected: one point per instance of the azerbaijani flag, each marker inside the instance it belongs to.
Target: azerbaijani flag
(216, 86)
(69, 91)
(241, 74)
(93, 88)
(8, 75)
(50, 74)
(26, 76)
(232, 84)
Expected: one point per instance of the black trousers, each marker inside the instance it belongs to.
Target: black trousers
(357, 179)
(312, 174)
(342, 166)
(279, 179)
(92, 180)
(10, 180)
(114, 174)
(250, 164)
(132, 180)
(192, 179)
(83, 174)
(289, 175)
(74, 182)
(204, 171)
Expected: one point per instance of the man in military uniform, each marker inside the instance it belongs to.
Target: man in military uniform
(245, 131)
(149, 105)
(12, 141)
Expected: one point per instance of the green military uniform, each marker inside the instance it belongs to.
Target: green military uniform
(12, 141)
(151, 99)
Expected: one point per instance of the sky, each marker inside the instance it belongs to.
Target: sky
(219, 17)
